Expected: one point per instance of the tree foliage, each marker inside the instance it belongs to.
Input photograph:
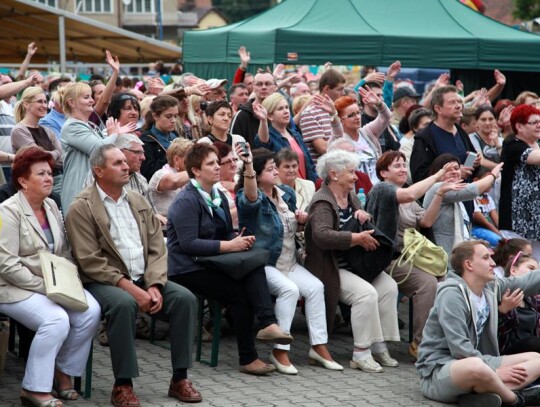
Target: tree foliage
(236, 10)
(526, 9)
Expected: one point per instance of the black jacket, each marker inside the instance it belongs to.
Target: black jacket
(155, 155)
(245, 123)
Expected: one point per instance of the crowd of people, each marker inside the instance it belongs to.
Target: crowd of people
(134, 183)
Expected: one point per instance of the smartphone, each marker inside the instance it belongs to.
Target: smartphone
(471, 158)
(245, 151)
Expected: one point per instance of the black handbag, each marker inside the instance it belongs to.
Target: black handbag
(368, 264)
(236, 264)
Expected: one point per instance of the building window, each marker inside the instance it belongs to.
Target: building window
(95, 6)
(51, 3)
(142, 6)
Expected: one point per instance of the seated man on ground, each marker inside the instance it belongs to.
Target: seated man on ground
(118, 243)
(459, 358)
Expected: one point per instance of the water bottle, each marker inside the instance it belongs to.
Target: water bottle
(362, 197)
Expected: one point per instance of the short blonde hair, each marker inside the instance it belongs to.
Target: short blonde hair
(272, 101)
(178, 148)
(299, 102)
(72, 92)
(145, 104)
(27, 96)
(524, 95)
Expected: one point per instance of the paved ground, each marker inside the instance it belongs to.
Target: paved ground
(225, 386)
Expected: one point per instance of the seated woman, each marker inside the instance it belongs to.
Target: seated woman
(200, 225)
(63, 337)
(168, 181)
(27, 132)
(485, 220)
(275, 133)
(269, 212)
(394, 209)
(519, 321)
(506, 249)
(158, 133)
(451, 225)
(374, 312)
(287, 163)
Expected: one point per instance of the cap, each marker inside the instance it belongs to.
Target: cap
(216, 83)
(404, 91)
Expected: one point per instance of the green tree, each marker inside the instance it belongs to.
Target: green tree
(526, 9)
(236, 10)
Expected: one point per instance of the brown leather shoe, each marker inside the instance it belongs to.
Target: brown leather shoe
(123, 396)
(184, 391)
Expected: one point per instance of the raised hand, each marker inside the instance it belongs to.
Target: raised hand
(500, 79)
(375, 77)
(393, 71)
(278, 71)
(201, 89)
(442, 80)
(32, 49)
(369, 97)
(325, 103)
(459, 85)
(127, 128)
(259, 111)
(113, 62)
(245, 56)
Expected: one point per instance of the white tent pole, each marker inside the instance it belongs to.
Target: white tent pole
(62, 44)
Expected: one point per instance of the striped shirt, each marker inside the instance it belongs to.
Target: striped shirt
(125, 232)
(315, 124)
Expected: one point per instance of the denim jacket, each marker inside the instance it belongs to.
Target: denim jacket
(260, 218)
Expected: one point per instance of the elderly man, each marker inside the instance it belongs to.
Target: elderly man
(118, 244)
(458, 359)
(245, 123)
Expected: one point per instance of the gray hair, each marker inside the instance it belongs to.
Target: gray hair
(335, 143)
(336, 160)
(98, 159)
(123, 141)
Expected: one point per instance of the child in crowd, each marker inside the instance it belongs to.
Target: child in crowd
(519, 315)
(486, 217)
(506, 249)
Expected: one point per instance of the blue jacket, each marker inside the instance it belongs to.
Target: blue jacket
(191, 230)
(260, 218)
(276, 142)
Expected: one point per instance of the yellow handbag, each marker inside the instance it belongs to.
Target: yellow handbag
(420, 252)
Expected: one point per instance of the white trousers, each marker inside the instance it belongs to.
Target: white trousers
(288, 288)
(63, 338)
(374, 311)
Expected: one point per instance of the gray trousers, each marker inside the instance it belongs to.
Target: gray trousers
(120, 310)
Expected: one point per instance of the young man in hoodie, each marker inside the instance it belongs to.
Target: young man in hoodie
(458, 359)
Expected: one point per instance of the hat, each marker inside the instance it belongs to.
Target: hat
(216, 83)
(404, 91)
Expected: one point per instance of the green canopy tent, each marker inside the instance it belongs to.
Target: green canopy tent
(420, 33)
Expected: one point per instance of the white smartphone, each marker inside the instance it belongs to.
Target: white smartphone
(471, 158)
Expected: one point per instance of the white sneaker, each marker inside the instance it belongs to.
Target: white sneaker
(385, 359)
(367, 365)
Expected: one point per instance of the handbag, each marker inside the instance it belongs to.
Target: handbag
(418, 251)
(237, 264)
(60, 276)
(368, 264)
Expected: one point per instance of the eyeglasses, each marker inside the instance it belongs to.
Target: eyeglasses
(534, 123)
(231, 161)
(351, 115)
(136, 152)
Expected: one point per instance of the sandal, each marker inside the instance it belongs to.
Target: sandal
(66, 394)
(29, 401)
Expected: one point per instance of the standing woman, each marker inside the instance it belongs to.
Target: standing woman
(79, 138)
(31, 222)
(519, 210)
(27, 132)
(374, 311)
(365, 138)
(487, 140)
(269, 213)
(275, 133)
(158, 133)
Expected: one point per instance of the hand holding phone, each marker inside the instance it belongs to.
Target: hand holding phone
(471, 158)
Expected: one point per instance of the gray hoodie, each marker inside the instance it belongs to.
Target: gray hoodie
(450, 331)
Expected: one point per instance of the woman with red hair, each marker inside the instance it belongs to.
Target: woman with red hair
(365, 139)
(519, 210)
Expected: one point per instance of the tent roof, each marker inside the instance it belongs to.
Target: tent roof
(420, 33)
(24, 21)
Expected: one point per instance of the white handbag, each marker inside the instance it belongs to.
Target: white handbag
(60, 276)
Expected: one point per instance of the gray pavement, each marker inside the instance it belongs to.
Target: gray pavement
(225, 386)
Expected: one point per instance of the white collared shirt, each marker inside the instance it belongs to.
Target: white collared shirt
(125, 232)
